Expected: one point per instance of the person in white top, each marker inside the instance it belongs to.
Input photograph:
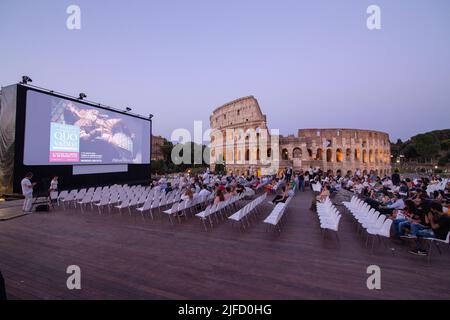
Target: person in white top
(54, 184)
(204, 192)
(27, 191)
(53, 191)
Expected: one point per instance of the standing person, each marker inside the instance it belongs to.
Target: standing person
(301, 182)
(288, 174)
(306, 178)
(54, 184)
(396, 178)
(27, 191)
(52, 190)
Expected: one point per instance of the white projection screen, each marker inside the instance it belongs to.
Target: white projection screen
(60, 131)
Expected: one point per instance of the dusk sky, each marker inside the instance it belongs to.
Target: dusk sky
(309, 63)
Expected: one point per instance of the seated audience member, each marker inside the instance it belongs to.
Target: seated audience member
(324, 194)
(188, 195)
(219, 196)
(405, 218)
(440, 227)
(204, 192)
(268, 187)
(228, 194)
(168, 188)
(282, 197)
(403, 190)
(397, 203)
(240, 188)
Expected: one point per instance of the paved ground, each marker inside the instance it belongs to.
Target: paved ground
(123, 257)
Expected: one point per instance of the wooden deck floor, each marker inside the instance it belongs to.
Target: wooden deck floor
(126, 258)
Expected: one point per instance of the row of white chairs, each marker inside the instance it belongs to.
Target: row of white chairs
(142, 202)
(375, 225)
(440, 186)
(243, 215)
(219, 209)
(329, 216)
(120, 197)
(276, 217)
(181, 208)
(75, 196)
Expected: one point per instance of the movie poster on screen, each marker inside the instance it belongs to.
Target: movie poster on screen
(64, 143)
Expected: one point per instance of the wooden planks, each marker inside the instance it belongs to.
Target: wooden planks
(123, 257)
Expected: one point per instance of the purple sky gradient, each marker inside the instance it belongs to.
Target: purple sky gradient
(309, 63)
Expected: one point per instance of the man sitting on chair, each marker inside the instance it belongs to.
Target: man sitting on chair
(440, 227)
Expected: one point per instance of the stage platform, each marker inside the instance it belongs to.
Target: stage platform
(123, 257)
(11, 210)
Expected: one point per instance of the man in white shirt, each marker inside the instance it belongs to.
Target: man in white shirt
(27, 191)
(204, 192)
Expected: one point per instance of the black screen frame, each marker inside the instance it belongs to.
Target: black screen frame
(86, 103)
(136, 174)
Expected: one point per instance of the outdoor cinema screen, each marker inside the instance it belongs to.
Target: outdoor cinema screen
(59, 131)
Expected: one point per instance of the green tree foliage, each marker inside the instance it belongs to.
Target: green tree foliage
(427, 145)
(424, 147)
(219, 168)
(168, 166)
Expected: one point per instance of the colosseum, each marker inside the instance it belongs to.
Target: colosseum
(328, 149)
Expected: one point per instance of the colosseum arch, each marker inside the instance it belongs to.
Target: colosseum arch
(339, 155)
(284, 154)
(329, 155)
(319, 154)
(365, 157)
(348, 154)
(310, 154)
(297, 153)
(371, 156)
(357, 154)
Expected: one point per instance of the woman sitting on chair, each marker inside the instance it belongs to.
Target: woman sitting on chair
(219, 196)
(281, 198)
(324, 194)
(188, 194)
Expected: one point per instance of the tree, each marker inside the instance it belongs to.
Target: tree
(427, 145)
(219, 168)
(409, 151)
(166, 149)
(157, 166)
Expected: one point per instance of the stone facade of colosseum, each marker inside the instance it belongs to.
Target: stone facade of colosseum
(329, 149)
